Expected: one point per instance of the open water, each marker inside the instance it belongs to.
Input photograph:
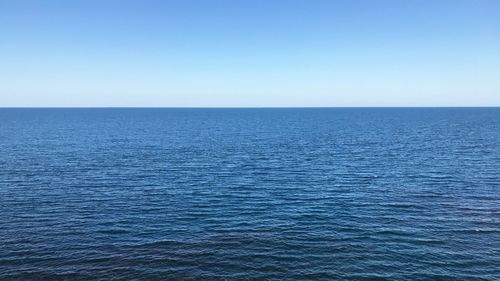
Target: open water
(250, 194)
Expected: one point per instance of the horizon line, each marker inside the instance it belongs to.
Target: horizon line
(240, 107)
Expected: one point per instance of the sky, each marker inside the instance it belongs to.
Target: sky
(249, 53)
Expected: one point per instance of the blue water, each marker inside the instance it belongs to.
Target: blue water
(250, 194)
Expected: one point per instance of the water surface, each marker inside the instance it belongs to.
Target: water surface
(250, 194)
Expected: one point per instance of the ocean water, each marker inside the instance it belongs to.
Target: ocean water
(250, 194)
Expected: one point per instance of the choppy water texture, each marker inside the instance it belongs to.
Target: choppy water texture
(250, 194)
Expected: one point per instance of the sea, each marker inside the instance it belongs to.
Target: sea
(250, 194)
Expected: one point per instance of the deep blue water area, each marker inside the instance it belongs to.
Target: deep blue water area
(250, 194)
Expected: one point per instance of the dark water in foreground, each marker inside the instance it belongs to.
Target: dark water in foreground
(250, 194)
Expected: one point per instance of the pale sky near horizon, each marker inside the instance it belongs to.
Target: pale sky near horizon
(247, 53)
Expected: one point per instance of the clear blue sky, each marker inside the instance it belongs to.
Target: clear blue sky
(250, 53)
